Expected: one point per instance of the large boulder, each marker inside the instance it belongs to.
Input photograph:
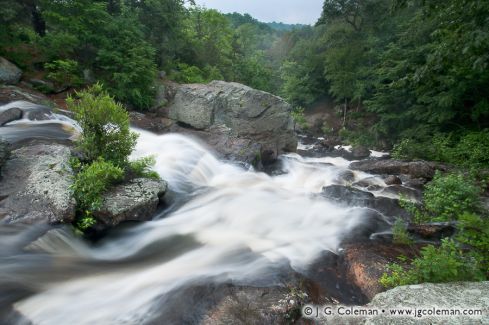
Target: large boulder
(234, 111)
(9, 73)
(136, 200)
(428, 296)
(9, 115)
(35, 187)
(415, 169)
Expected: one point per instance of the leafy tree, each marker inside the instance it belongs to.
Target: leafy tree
(126, 64)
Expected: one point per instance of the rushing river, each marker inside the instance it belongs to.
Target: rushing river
(224, 223)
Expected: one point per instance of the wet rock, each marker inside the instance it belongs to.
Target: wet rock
(393, 180)
(9, 72)
(345, 177)
(432, 231)
(402, 191)
(40, 114)
(354, 197)
(330, 142)
(9, 115)
(237, 112)
(416, 169)
(360, 152)
(151, 122)
(249, 305)
(366, 182)
(365, 262)
(36, 186)
(459, 295)
(348, 195)
(4, 154)
(136, 200)
(372, 223)
(10, 93)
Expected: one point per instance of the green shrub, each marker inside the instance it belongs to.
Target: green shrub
(89, 184)
(64, 73)
(105, 123)
(445, 263)
(448, 196)
(400, 234)
(142, 168)
(472, 149)
(469, 149)
(473, 231)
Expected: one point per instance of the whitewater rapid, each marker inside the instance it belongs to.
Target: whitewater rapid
(224, 224)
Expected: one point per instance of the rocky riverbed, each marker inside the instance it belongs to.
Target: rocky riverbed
(217, 242)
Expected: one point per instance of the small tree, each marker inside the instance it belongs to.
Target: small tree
(105, 123)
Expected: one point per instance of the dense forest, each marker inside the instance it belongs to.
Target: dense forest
(406, 78)
(417, 71)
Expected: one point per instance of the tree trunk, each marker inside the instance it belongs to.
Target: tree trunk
(38, 22)
(344, 112)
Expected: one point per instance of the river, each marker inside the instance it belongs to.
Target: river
(223, 223)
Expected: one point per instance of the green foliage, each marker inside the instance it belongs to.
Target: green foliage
(89, 184)
(448, 196)
(474, 233)
(65, 73)
(296, 87)
(469, 149)
(143, 168)
(464, 258)
(399, 231)
(445, 263)
(395, 276)
(59, 45)
(299, 118)
(126, 64)
(358, 138)
(105, 123)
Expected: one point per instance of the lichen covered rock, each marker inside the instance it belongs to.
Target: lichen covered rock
(136, 200)
(36, 186)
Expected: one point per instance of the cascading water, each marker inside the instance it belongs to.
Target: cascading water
(224, 224)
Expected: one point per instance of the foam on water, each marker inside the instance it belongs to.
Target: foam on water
(236, 225)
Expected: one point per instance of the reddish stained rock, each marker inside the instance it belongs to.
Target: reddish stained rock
(366, 262)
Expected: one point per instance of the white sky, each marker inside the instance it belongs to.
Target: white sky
(285, 11)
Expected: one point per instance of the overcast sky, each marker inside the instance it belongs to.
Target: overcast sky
(285, 11)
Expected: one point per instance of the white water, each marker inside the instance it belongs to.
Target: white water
(237, 226)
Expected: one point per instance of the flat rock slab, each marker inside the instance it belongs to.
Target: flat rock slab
(473, 295)
(136, 200)
(416, 169)
(35, 187)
